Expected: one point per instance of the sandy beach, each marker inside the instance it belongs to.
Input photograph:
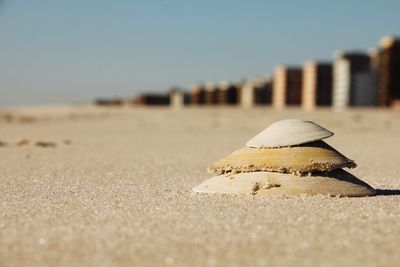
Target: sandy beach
(113, 188)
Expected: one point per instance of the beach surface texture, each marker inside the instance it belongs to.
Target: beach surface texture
(86, 186)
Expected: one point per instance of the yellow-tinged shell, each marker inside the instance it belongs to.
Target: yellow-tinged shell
(336, 183)
(317, 156)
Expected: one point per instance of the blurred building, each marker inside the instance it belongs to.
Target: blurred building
(109, 102)
(374, 64)
(354, 82)
(211, 94)
(228, 93)
(287, 86)
(178, 98)
(317, 85)
(198, 94)
(152, 99)
(389, 71)
(256, 92)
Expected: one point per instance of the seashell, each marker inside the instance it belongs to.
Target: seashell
(336, 183)
(316, 156)
(289, 132)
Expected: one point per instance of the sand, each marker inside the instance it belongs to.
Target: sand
(115, 190)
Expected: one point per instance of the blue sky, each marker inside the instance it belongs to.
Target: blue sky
(71, 51)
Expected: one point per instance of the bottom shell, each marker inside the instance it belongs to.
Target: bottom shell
(335, 183)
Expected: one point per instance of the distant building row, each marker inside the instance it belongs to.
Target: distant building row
(354, 79)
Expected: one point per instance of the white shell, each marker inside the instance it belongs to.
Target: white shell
(289, 132)
(335, 183)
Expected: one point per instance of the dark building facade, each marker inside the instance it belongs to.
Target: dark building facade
(389, 71)
(317, 84)
(211, 94)
(153, 99)
(198, 95)
(228, 94)
(287, 86)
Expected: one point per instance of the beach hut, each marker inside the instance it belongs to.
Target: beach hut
(287, 86)
(389, 72)
(317, 85)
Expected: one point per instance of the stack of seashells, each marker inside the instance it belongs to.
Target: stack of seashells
(287, 158)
